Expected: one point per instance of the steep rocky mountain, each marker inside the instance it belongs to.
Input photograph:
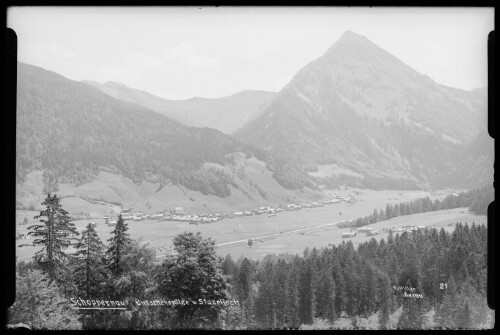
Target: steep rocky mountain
(226, 114)
(359, 109)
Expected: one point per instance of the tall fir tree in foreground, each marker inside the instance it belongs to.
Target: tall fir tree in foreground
(89, 264)
(55, 235)
(118, 244)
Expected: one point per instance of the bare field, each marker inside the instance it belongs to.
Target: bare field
(288, 232)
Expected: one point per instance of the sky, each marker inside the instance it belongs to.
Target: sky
(183, 52)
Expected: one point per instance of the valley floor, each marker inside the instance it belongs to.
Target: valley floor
(288, 232)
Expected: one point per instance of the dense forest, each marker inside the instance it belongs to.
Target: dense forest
(422, 280)
(426, 279)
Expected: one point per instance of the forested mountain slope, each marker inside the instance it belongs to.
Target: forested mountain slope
(70, 130)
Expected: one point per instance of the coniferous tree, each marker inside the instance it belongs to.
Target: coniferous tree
(265, 304)
(243, 283)
(90, 264)
(306, 294)
(325, 295)
(117, 246)
(279, 291)
(389, 211)
(90, 275)
(55, 235)
(448, 311)
(385, 301)
(292, 292)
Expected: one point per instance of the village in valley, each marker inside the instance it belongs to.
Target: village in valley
(178, 213)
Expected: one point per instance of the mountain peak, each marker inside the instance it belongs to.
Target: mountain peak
(352, 41)
(349, 35)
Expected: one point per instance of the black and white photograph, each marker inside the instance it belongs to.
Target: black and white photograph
(251, 168)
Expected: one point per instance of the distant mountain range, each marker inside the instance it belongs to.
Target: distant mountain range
(360, 110)
(226, 114)
(356, 116)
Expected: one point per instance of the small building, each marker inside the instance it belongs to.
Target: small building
(348, 235)
(365, 230)
(179, 210)
(396, 230)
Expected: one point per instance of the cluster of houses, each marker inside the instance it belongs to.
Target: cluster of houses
(337, 200)
(409, 229)
(368, 231)
(178, 214)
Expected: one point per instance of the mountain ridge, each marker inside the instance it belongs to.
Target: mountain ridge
(226, 114)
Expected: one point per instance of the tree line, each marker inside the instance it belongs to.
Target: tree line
(477, 200)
